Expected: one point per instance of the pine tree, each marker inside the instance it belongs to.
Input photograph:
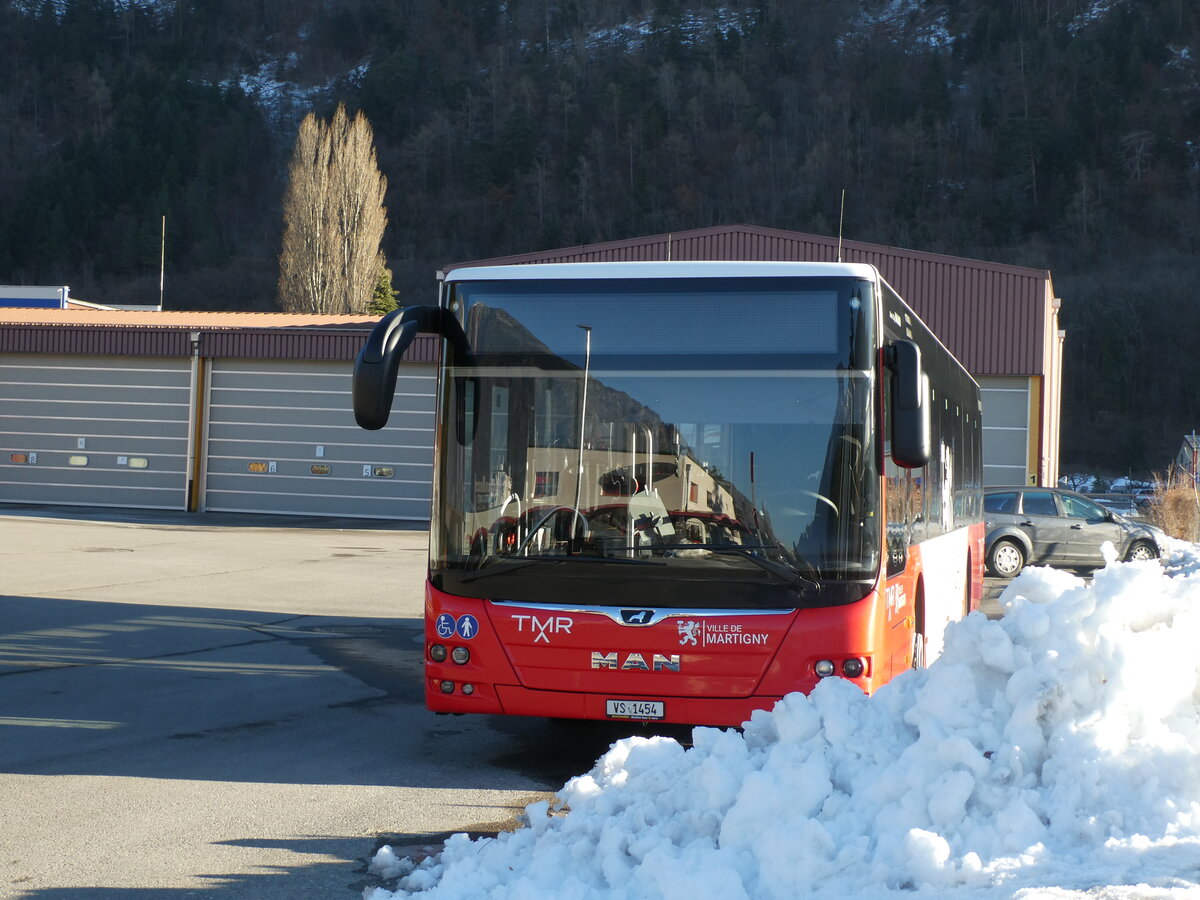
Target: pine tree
(383, 298)
(333, 217)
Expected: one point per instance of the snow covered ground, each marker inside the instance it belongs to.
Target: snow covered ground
(1052, 754)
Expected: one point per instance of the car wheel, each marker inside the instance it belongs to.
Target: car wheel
(1142, 550)
(1006, 559)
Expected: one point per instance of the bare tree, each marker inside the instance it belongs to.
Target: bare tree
(333, 217)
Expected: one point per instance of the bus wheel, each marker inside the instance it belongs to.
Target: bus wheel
(918, 646)
(966, 610)
(918, 650)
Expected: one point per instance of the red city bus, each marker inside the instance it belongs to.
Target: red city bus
(677, 491)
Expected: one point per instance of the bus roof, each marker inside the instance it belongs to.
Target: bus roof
(663, 269)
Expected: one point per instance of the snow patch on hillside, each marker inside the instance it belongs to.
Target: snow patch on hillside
(35, 7)
(913, 22)
(1095, 11)
(688, 28)
(283, 99)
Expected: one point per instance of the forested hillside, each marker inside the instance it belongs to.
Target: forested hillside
(1062, 134)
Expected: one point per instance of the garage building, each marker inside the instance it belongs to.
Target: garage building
(1000, 321)
(222, 412)
(250, 412)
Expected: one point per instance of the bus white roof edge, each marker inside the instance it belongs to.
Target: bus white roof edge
(663, 269)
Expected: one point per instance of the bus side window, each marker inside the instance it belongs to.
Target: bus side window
(899, 529)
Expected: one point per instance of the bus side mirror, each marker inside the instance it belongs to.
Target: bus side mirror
(375, 369)
(378, 362)
(911, 443)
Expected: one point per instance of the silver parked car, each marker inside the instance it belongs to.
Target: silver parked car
(1054, 527)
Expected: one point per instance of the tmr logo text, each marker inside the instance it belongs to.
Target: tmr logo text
(543, 628)
(659, 662)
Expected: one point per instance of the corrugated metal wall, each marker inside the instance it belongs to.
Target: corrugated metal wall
(997, 319)
(281, 438)
(990, 315)
(88, 340)
(1006, 422)
(178, 417)
(301, 343)
(94, 430)
(143, 338)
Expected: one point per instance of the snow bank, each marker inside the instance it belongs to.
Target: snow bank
(1053, 753)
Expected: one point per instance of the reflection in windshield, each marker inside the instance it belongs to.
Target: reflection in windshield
(741, 456)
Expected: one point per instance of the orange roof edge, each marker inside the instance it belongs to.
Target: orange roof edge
(178, 318)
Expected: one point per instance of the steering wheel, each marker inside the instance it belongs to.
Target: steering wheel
(780, 499)
(502, 531)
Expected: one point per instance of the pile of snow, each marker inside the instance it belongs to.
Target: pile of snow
(1053, 753)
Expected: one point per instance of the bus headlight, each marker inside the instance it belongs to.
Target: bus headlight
(447, 687)
(460, 655)
(468, 689)
(437, 653)
(824, 668)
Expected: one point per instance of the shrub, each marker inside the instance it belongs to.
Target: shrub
(1176, 509)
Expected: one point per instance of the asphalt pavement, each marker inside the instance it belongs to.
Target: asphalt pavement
(992, 589)
(223, 706)
(229, 706)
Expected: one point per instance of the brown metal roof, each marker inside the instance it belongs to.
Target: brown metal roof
(221, 334)
(993, 317)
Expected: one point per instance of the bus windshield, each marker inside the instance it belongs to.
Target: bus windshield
(692, 443)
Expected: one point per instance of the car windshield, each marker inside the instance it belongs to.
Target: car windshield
(1079, 508)
(712, 439)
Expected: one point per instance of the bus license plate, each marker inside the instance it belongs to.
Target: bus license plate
(635, 709)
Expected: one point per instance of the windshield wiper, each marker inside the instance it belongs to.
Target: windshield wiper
(802, 583)
(490, 563)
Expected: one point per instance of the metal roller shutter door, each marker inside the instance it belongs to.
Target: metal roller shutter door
(94, 431)
(1006, 414)
(281, 438)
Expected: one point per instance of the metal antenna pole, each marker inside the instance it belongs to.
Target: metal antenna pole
(841, 224)
(162, 263)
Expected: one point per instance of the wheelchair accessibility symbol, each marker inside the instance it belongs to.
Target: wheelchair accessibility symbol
(444, 626)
